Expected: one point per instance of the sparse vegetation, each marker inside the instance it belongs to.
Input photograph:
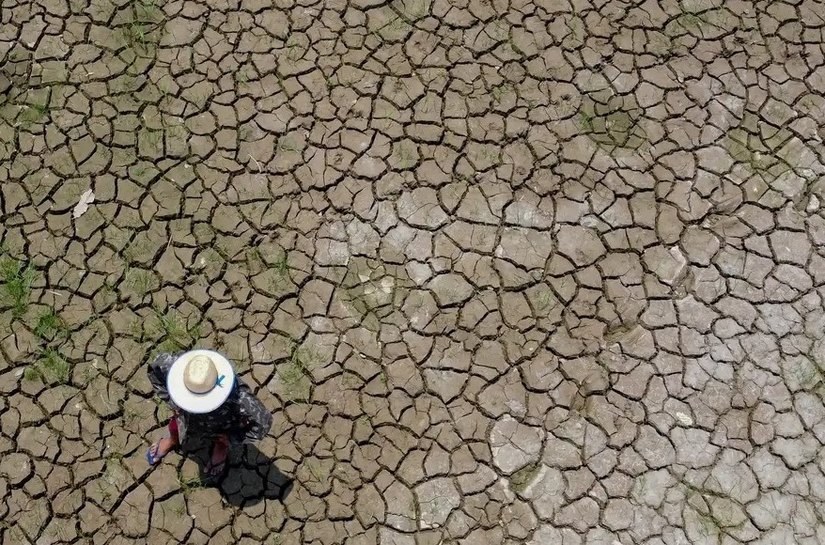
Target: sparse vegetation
(294, 374)
(544, 301)
(281, 264)
(143, 32)
(139, 281)
(32, 113)
(244, 75)
(54, 366)
(174, 332)
(16, 279)
(254, 260)
(50, 367)
(50, 326)
(189, 484)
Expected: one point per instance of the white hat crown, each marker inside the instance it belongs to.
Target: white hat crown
(200, 374)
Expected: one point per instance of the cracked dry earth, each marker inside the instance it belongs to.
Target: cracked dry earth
(504, 272)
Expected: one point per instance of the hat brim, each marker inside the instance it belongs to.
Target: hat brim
(200, 403)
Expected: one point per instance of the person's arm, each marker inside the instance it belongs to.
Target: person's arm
(157, 371)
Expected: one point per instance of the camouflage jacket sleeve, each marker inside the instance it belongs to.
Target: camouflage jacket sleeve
(158, 370)
(253, 412)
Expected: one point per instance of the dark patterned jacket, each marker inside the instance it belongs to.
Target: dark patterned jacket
(242, 417)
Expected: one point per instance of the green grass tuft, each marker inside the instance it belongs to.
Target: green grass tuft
(294, 374)
(50, 325)
(16, 280)
(175, 333)
(281, 264)
(189, 484)
(53, 367)
(32, 113)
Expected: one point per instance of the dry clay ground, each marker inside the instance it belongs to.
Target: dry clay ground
(504, 272)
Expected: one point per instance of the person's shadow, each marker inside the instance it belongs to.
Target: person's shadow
(250, 476)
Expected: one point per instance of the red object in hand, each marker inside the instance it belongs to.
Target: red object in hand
(173, 428)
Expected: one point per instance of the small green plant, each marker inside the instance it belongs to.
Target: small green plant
(243, 75)
(281, 264)
(139, 281)
(254, 260)
(294, 374)
(16, 279)
(32, 113)
(491, 155)
(691, 22)
(189, 484)
(174, 332)
(406, 154)
(31, 373)
(50, 325)
(763, 157)
(53, 367)
(136, 36)
(143, 32)
(544, 301)
(174, 132)
(586, 122)
(103, 490)
(297, 367)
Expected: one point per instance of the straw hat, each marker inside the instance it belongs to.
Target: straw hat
(199, 381)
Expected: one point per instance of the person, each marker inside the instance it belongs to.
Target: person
(208, 402)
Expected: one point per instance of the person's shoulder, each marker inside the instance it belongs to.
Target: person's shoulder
(241, 387)
(244, 392)
(165, 359)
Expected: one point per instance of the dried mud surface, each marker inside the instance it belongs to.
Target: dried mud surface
(505, 272)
